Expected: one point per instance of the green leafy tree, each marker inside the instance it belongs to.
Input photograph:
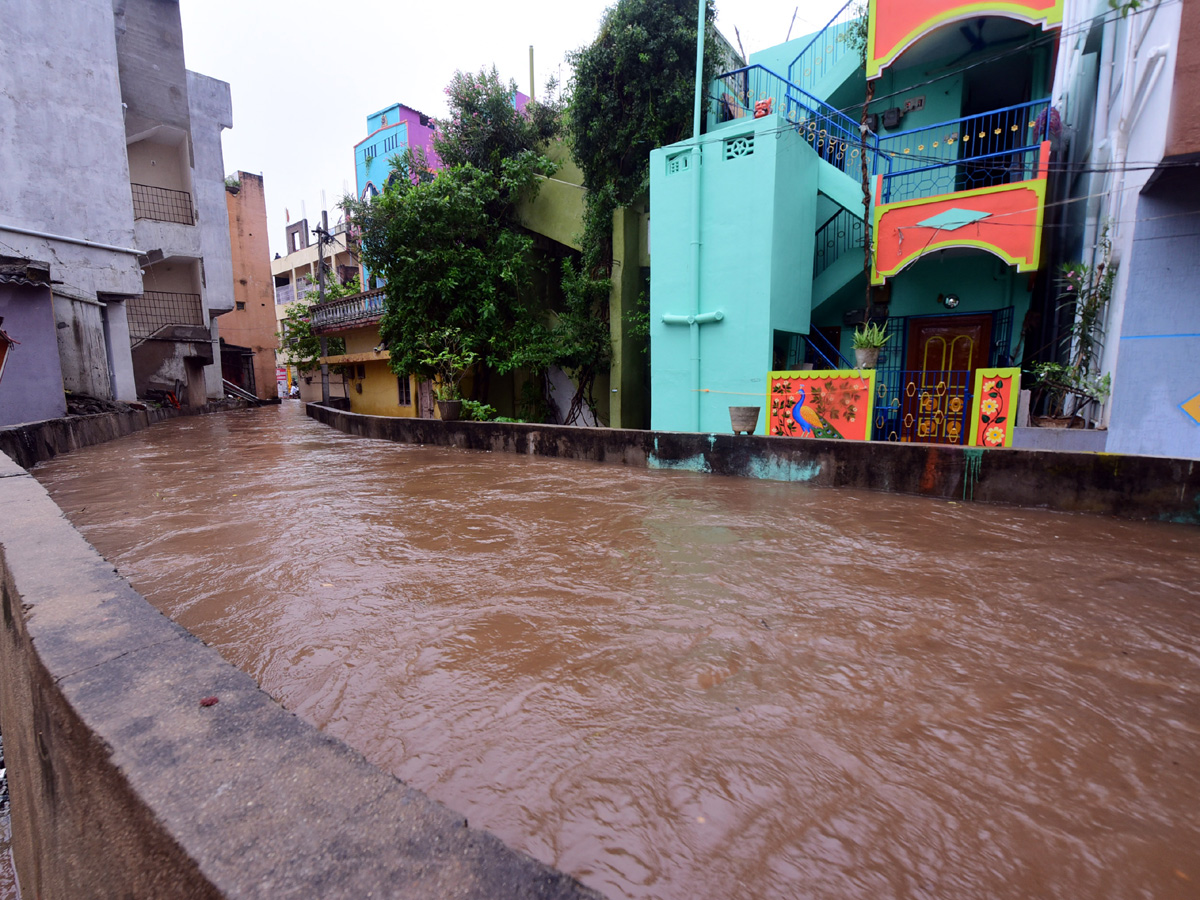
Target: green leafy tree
(451, 263)
(485, 128)
(633, 90)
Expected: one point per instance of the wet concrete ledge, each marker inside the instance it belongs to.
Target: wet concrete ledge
(35, 442)
(1131, 487)
(124, 784)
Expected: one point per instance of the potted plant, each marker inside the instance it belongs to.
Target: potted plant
(1065, 391)
(868, 341)
(1055, 382)
(448, 366)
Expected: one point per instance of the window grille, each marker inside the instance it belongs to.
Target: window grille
(736, 148)
(680, 162)
(162, 205)
(158, 309)
(404, 383)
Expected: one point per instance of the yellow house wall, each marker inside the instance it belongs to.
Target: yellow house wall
(377, 392)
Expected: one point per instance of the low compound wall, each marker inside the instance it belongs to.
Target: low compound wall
(1133, 487)
(37, 442)
(125, 784)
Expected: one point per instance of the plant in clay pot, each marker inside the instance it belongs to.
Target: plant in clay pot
(1056, 382)
(868, 341)
(448, 365)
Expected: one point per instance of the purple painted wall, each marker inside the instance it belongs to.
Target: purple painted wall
(31, 388)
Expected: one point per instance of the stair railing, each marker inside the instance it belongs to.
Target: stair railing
(826, 48)
(829, 354)
(841, 232)
(828, 130)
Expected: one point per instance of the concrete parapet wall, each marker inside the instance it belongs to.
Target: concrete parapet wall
(124, 784)
(35, 442)
(1131, 487)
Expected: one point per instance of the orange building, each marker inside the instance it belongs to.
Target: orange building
(248, 341)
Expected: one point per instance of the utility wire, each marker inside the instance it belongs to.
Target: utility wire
(1051, 38)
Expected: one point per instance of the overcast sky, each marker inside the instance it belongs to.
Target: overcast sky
(306, 74)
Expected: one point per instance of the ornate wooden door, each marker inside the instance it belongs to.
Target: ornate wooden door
(943, 352)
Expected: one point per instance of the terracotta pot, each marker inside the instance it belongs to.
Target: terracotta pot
(866, 357)
(449, 410)
(744, 418)
(1057, 421)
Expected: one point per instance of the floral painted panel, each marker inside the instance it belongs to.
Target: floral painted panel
(993, 412)
(827, 404)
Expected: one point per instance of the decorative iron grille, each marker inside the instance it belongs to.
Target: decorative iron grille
(162, 205)
(841, 232)
(158, 309)
(929, 406)
(993, 148)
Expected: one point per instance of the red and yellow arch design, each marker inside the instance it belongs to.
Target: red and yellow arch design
(895, 25)
(1012, 229)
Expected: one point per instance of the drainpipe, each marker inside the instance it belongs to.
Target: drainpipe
(131, 251)
(697, 154)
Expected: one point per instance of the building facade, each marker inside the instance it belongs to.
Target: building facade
(783, 226)
(126, 205)
(390, 131)
(248, 334)
(1129, 89)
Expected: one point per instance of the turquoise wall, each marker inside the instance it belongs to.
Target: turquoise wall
(758, 216)
(982, 282)
(378, 149)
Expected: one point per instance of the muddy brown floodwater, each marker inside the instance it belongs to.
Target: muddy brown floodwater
(680, 686)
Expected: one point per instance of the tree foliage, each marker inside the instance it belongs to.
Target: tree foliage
(299, 346)
(451, 262)
(485, 128)
(633, 90)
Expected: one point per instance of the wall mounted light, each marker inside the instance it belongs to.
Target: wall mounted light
(948, 300)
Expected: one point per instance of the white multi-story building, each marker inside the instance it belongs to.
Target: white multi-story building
(114, 182)
(1128, 86)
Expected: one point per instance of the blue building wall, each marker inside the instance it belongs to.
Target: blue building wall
(373, 154)
(1158, 360)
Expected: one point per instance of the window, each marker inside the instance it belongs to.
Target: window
(404, 383)
(239, 304)
(362, 371)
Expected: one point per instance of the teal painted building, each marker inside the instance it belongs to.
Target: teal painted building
(390, 131)
(758, 229)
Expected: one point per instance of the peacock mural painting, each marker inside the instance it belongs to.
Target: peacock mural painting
(831, 405)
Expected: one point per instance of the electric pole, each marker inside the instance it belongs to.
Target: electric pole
(322, 231)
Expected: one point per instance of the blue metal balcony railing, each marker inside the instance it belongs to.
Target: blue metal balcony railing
(842, 232)
(827, 48)
(996, 147)
(829, 131)
(360, 309)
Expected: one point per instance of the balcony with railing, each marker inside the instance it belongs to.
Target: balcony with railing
(985, 150)
(162, 204)
(155, 310)
(985, 170)
(829, 131)
(348, 312)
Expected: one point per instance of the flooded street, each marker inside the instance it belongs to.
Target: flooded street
(679, 686)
